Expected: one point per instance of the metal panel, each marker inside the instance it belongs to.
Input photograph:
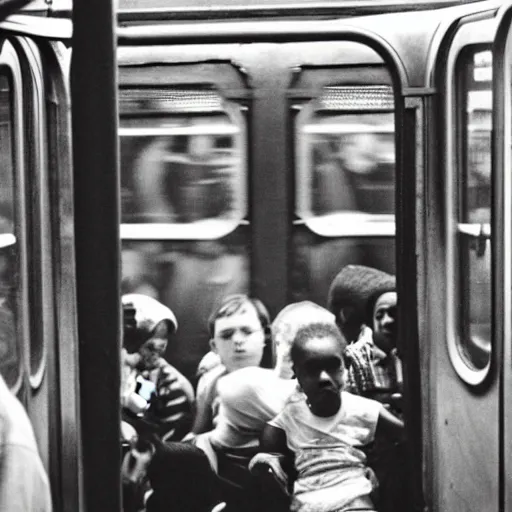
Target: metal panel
(96, 184)
(465, 451)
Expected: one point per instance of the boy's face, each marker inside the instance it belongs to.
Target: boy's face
(239, 339)
(319, 369)
(384, 321)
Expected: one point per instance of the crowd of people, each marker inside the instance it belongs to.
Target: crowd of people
(303, 413)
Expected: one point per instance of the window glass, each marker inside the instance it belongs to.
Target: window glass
(345, 192)
(346, 159)
(473, 258)
(10, 356)
(183, 162)
(183, 178)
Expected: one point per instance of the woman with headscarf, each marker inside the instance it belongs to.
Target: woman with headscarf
(152, 389)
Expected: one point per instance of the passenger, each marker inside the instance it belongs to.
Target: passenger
(24, 485)
(365, 300)
(152, 389)
(324, 428)
(349, 294)
(375, 369)
(239, 331)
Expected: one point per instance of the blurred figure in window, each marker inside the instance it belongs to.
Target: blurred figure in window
(184, 179)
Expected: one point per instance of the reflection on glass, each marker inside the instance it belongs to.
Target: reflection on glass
(10, 359)
(181, 164)
(346, 160)
(475, 211)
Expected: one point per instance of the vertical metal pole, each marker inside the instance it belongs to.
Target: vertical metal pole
(96, 183)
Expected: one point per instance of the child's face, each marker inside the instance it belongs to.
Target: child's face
(319, 369)
(384, 320)
(152, 350)
(239, 339)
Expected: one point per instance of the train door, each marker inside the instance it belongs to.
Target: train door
(254, 159)
(465, 279)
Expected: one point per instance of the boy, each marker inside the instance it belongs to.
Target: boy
(375, 368)
(325, 428)
(239, 330)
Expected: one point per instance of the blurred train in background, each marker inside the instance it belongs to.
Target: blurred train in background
(262, 147)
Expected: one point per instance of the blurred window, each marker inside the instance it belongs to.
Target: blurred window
(10, 286)
(346, 162)
(183, 161)
(469, 200)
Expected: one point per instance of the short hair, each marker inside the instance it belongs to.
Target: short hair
(233, 304)
(316, 330)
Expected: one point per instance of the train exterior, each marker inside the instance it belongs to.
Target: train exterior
(257, 147)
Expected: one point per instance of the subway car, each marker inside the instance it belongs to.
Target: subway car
(207, 148)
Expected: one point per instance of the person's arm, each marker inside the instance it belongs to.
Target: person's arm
(390, 425)
(203, 421)
(271, 464)
(273, 440)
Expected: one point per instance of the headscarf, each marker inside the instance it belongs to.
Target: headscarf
(141, 316)
(285, 327)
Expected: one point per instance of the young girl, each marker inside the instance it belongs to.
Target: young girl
(324, 428)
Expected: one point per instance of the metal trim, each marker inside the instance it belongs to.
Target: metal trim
(479, 32)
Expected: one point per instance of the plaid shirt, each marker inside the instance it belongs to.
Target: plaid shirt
(370, 369)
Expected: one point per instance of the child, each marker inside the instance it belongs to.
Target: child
(239, 330)
(375, 370)
(325, 427)
(152, 389)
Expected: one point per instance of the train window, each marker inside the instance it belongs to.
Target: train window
(469, 262)
(10, 356)
(346, 161)
(183, 160)
(184, 204)
(345, 185)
